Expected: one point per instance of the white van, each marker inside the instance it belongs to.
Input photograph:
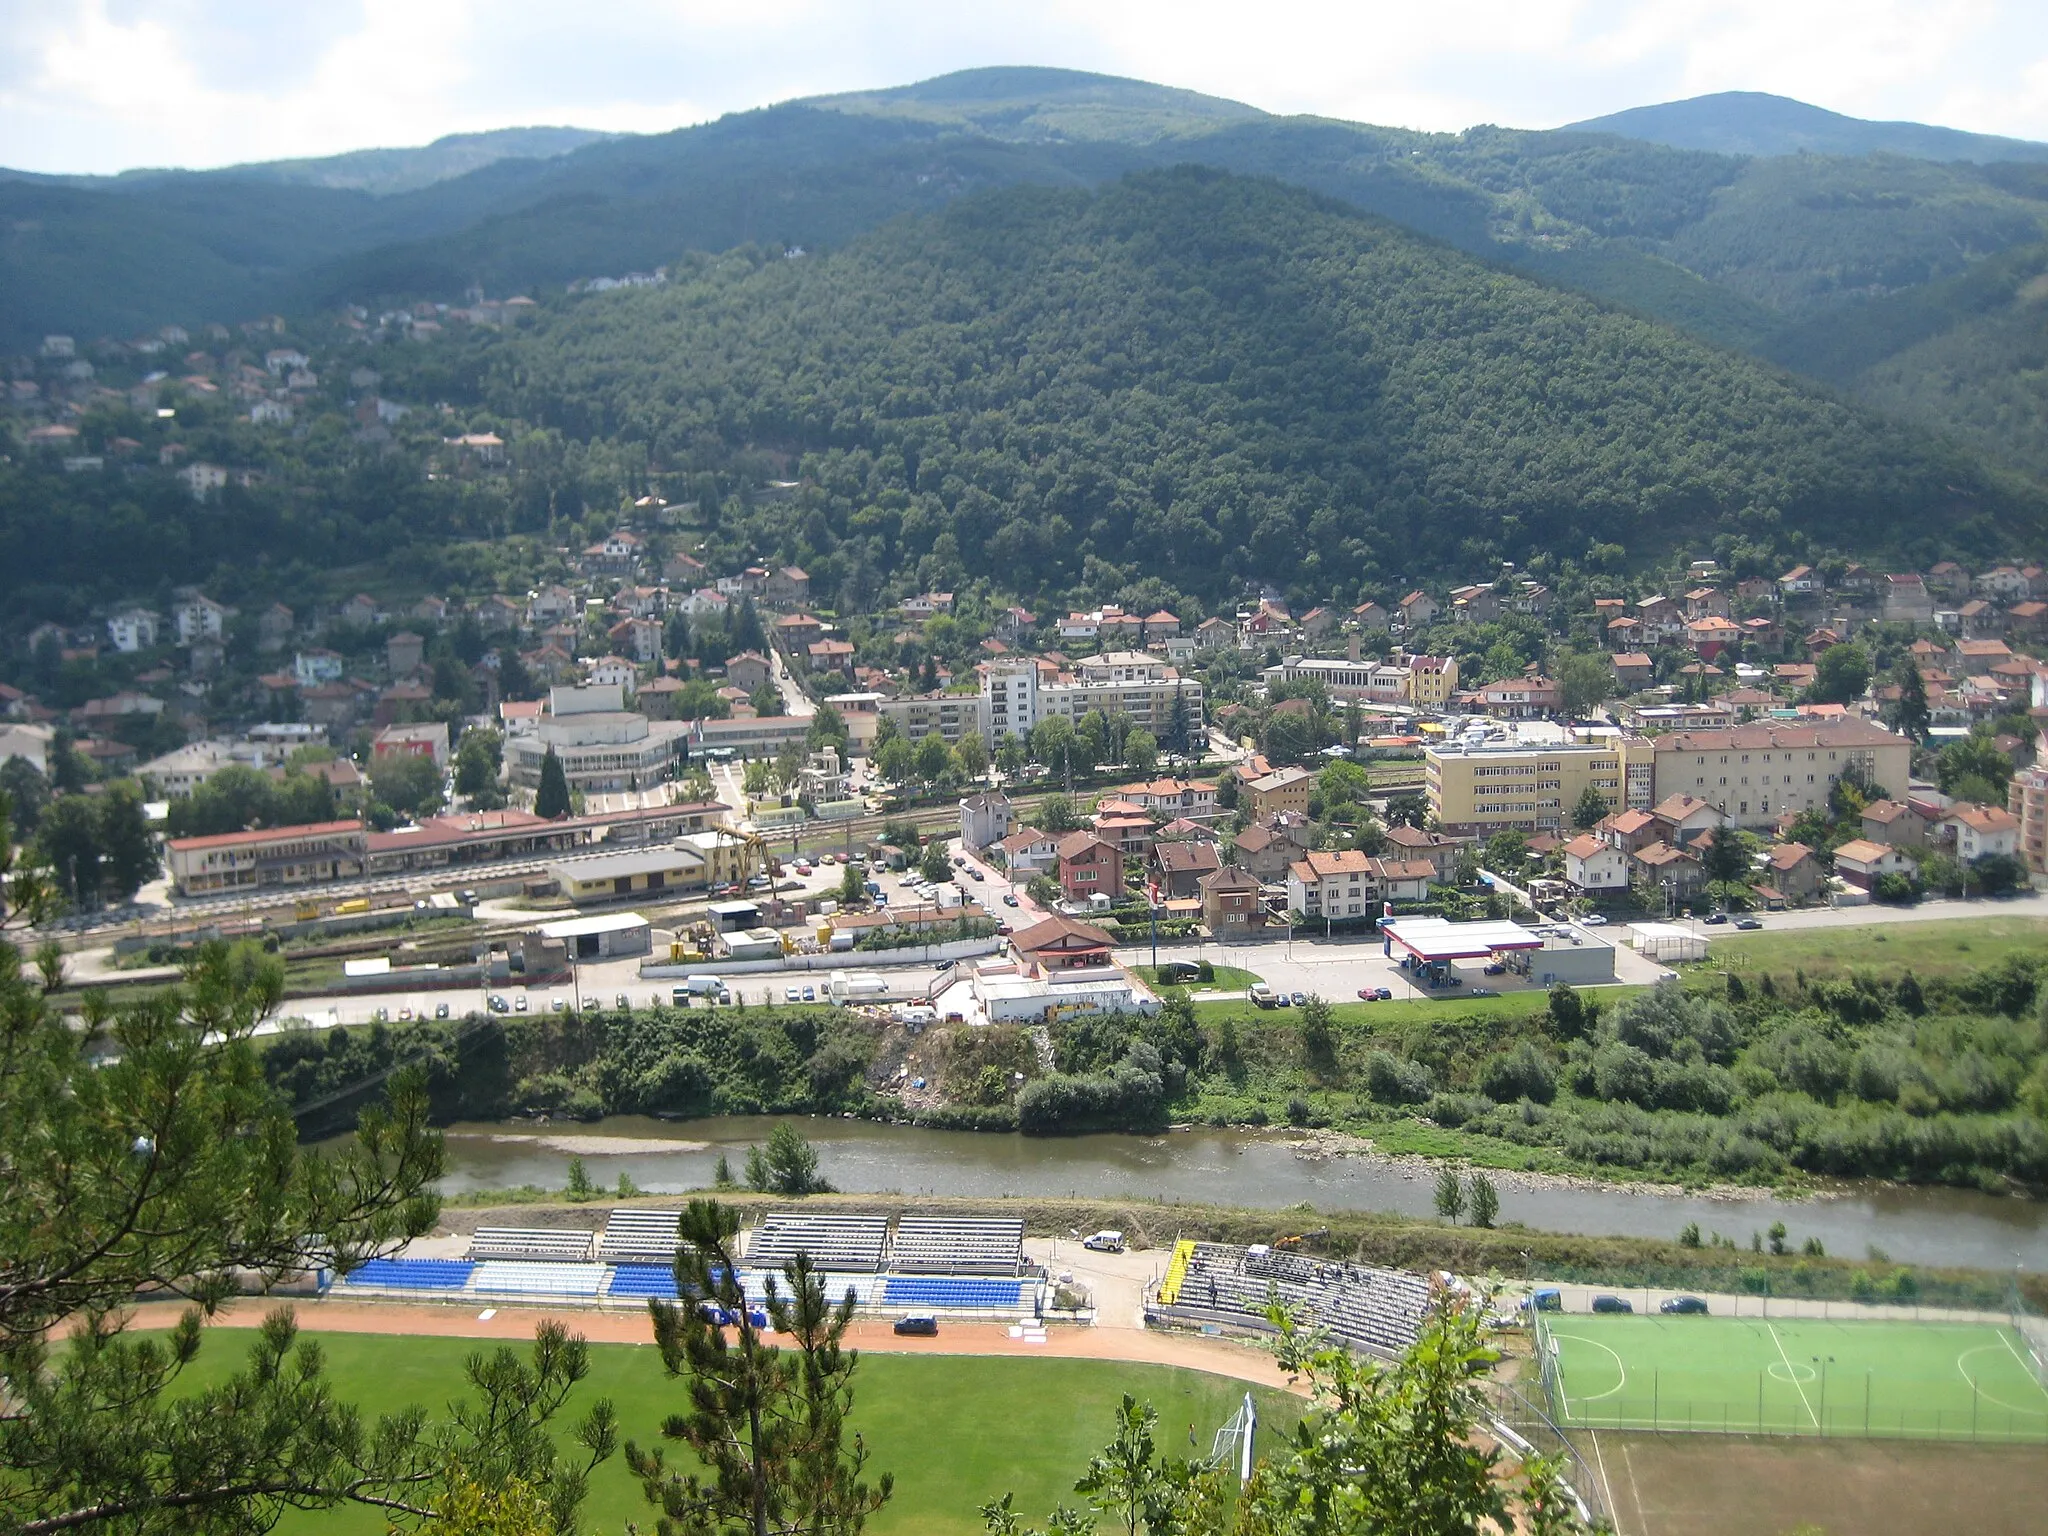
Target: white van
(1104, 1242)
(703, 986)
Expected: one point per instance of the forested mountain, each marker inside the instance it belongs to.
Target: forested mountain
(1210, 379)
(1867, 271)
(1756, 123)
(405, 170)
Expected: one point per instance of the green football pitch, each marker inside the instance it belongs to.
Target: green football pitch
(956, 1430)
(1796, 1376)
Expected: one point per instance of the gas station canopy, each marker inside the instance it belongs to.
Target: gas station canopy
(1438, 939)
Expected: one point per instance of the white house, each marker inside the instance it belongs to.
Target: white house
(311, 668)
(1593, 865)
(984, 819)
(202, 479)
(132, 629)
(607, 670)
(201, 618)
(1981, 831)
(1029, 852)
(270, 413)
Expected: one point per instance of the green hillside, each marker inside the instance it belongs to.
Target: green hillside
(1210, 378)
(1755, 123)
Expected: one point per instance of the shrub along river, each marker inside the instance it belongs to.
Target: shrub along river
(1931, 1226)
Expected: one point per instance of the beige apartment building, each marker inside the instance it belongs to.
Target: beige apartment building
(951, 715)
(1754, 774)
(1529, 777)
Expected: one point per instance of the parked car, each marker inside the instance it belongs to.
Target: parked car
(791, 995)
(1368, 994)
(1611, 1304)
(622, 1002)
(1106, 1241)
(1683, 1306)
(519, 1003)
(810, 994)
(558, 1005)
(1549, 1299)
(1003, 930)
(923, 1324)
(1496, 969)
(1385, 994)
(1299, 999)
(1009, 898)
(975, 874)
(440, 1010)
(1748, 923)
(1716, 917)
(497, 1004)
(1592, 920)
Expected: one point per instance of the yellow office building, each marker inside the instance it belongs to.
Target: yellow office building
(1530, 777)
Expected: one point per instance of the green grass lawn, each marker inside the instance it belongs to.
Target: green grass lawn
(1229, 978)
(1940, 947)
(955, 1430)
(1799, 1377)
(1400, 1010)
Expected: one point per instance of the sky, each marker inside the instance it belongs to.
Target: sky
(105, 85)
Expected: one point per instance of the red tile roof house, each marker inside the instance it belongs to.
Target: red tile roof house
(1028, 852)
(1181, 867)
(1061, 944)
(1090, 867)
(1862, 863)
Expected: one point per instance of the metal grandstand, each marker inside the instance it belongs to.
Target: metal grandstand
(960, 1265)
(1378, 1310)
(633, 1236)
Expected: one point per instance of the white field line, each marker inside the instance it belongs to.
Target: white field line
(1792, 1374)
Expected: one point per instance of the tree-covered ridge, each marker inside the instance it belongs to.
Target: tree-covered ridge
(1212, 379)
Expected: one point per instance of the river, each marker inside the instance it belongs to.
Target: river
(1264, 1170)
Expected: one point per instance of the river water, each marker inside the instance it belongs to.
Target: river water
(1265, 1170)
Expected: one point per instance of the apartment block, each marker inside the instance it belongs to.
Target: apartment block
(951, 715)
(1530, 777)
(1754, 774)
(1015, 697)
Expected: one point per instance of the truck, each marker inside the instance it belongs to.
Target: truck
(1262, 995)
(851, 987)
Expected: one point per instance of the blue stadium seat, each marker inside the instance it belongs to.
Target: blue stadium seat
(643, 1280)
(414, 1274)
(943, 1291)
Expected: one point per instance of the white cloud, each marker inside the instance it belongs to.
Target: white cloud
(104, 84)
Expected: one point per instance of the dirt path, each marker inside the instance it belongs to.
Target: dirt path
(1221, 1357)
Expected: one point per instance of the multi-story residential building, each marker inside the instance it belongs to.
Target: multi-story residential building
(132, 629)
(1432, 680)
(199, 617)
(1529, 776)
(1284, 789)
(951, 715)
(1089, 867)
(1350, 886)
(2027, 801)
(1753, 774)
(1015, 697)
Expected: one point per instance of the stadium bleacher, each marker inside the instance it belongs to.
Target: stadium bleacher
(957, 1245)
(642, 1280)
(945, 1293)
(640, 1237)
(834, 1240)
(564, 1245)
(413, 1274)
(1364, 1306)
(543, 1278)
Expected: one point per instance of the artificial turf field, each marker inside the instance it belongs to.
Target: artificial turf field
(956, 1430)
(1951, 1381)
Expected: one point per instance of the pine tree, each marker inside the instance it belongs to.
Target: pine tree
(1909, 715)
(767, 1427)
(552, 799)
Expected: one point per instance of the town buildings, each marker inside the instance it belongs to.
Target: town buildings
(1754, 774)
(1530, 777)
